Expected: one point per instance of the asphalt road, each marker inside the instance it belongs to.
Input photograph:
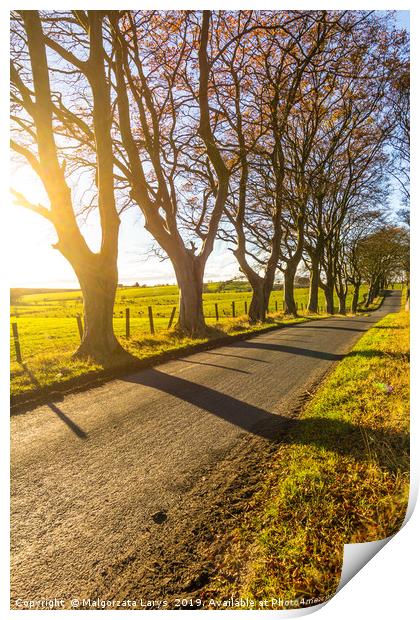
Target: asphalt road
(112, 487)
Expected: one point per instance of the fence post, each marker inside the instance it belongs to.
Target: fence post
(216, 307)
(127, 322)
(282, 303)
(233, 309)
(246, 307)
(17, 343)
(276, 305)
(172, 317)
(79, 325)
(152, 327)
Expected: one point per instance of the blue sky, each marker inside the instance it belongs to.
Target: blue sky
(403, 19)
(36, 264)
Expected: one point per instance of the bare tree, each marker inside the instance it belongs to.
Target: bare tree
(399, 103)
(169, 134)
(42, 131)
(352, 148)
(382, 255)
(261, 81)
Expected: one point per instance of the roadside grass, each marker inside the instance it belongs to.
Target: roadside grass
(340, 476)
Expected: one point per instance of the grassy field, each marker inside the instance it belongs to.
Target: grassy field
(341, 476)
(56, 365)
(47, 321)
(48, 335)
(68, 304)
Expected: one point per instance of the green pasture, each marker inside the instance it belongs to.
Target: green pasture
(47, 321)
(162, 299)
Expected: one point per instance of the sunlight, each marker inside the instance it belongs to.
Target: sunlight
(34, 261)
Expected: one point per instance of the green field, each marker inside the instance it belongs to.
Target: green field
(48, 332)
(161, 298)
(47, 321)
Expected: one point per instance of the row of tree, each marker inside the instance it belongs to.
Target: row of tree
(274, 131)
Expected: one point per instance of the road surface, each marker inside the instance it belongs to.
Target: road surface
(118, 491)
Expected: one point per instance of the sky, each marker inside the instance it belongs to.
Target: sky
(35, 263)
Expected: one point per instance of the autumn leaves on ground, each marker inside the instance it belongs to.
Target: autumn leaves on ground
(273, 142)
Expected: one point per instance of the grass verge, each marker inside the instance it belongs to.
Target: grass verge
(341, 476)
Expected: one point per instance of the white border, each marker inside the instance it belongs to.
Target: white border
(387, 587)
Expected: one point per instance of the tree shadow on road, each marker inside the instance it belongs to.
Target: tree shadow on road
(334, 328)
(58, 412)
(338, 436)
(241, 357)
(283, 348)
(189, 361)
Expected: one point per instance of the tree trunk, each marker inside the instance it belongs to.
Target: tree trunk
(355, 299)
(342, 303)
(99, 343)
(341, 290)
(329, 299)
(328, 288)
(407, 299)
(189, 276)
(373, 291)
(314, 285)
(259, 302)
(289, 283)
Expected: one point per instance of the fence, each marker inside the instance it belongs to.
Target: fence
(45, 335)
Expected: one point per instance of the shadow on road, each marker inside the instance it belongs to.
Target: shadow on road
(335, 327)
(331, 434)
(60, 414)
(283, 348)
(240, 357)
(189, 361)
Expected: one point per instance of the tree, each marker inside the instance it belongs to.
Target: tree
(43, 129)
(261, 81)
(359, 225)
(352, 145)
(168, 132)
(383, 255)
(399, 104)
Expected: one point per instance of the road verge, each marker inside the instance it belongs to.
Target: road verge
(341, 476)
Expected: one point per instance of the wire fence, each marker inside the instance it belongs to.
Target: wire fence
(47, 327)
(32, 335)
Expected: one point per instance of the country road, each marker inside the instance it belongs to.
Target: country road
(122, 490)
